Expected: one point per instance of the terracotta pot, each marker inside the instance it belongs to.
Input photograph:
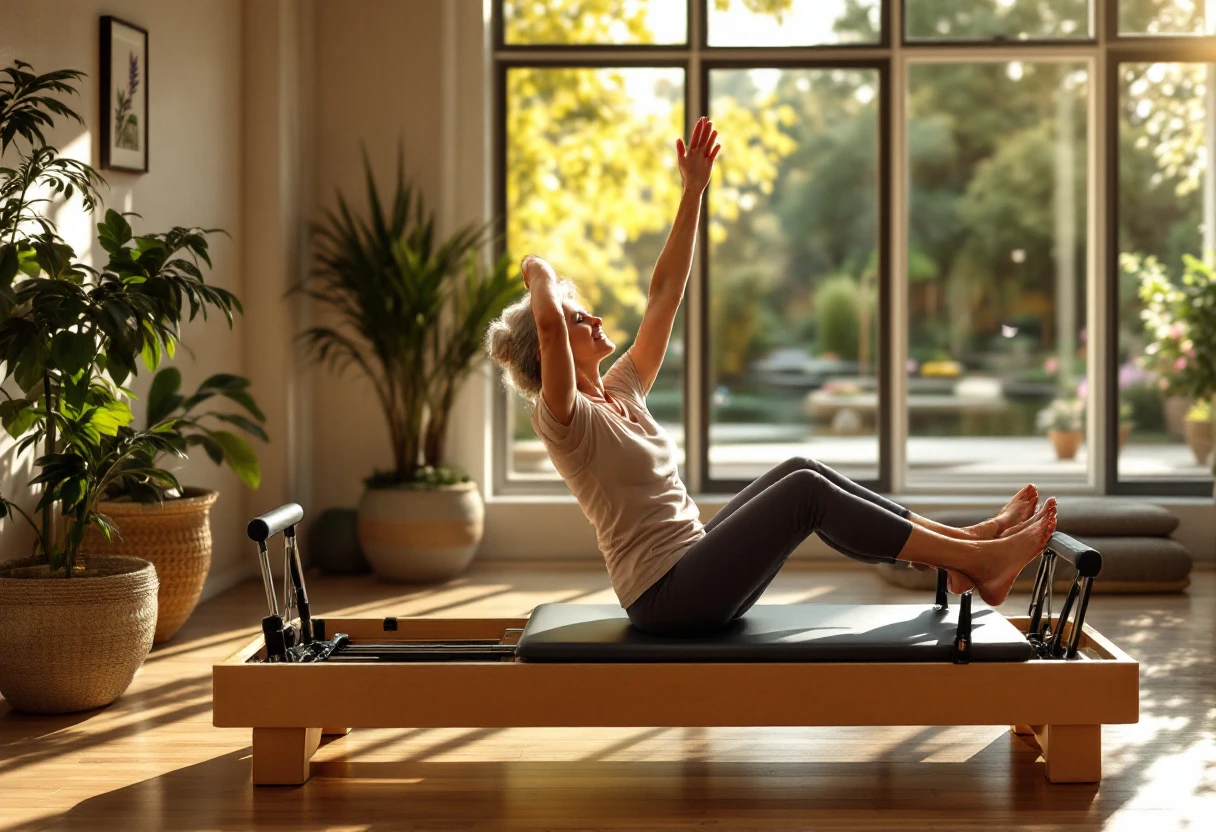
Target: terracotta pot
(1125, 431)
(1173, 411)
(421, 535)
(71, 644)
(175, 536)
(1199, 437)
(1066, 442)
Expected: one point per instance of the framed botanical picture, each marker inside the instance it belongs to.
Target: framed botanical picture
(124, 96)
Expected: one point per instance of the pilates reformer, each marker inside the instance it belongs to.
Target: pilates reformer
(953, 666)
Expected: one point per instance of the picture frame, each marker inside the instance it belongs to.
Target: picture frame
(124, 96)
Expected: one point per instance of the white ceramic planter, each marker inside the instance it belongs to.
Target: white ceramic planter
(421, 535)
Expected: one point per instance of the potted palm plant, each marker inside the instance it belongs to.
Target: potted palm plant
(76, 626)
(410, 313)
(171, 528)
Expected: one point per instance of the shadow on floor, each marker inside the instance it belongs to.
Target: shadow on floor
(898, 792)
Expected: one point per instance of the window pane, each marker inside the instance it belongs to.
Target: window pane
(592, 186)
(793, 22)
(793, 276)
(603, 22)
(997, 19)
(1165, 173)
(1165, 17)
(996, 269)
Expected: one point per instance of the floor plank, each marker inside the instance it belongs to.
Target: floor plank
(153, 761)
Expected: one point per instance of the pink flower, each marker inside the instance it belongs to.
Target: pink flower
(1052, 365)
(1180, 363)
(1164, 384)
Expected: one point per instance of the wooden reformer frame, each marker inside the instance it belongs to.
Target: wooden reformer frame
(1057, 702)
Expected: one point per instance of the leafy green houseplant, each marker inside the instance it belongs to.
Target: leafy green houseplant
(171, 526)
(1180, 320)
(410, 313)
(70, 337)
(174, 418)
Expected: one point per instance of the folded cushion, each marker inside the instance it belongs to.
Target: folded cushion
(1084, 516)
(774, 633)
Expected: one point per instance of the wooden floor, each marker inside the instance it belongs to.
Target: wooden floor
(153, 761)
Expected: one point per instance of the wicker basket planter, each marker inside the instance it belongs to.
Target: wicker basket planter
(175, 536)
(71, 644)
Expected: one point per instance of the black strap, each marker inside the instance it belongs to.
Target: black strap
(962, 636)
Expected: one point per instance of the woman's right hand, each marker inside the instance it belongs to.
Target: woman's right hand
(535, 263)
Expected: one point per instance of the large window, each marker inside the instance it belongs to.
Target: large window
(922, 255)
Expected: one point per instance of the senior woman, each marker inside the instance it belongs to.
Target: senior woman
(672, 574)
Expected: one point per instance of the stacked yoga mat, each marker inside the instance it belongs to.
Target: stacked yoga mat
(1138, 554)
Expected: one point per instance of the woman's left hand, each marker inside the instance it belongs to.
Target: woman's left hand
(696, 161)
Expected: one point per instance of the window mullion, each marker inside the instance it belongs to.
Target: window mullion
(696, 341)
(894, 464)
(1102, 326)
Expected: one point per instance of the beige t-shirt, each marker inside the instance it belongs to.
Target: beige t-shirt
(623, 474)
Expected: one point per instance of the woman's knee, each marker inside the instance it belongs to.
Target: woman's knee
(807, 478)
(804, 462)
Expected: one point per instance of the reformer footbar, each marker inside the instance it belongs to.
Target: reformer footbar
(1047, 642)
(287, 641)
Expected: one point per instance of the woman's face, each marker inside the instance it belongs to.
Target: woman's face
(588, 342)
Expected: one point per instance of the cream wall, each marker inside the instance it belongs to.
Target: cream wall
(194, 179)
(379, 81)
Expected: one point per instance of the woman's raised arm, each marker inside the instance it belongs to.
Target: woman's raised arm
(696, 162)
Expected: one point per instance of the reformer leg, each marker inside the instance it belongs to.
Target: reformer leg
(281, 755)
(334, 732)
(1022, 730)
(1073, 753)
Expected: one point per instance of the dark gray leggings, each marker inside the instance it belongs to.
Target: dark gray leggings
(747, 542)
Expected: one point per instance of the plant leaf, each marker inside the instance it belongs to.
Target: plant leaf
(240, 457)
(162, 396)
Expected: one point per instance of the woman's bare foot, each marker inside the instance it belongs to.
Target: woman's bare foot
(1018, 510)
(1003, 559)
(1016, 513)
